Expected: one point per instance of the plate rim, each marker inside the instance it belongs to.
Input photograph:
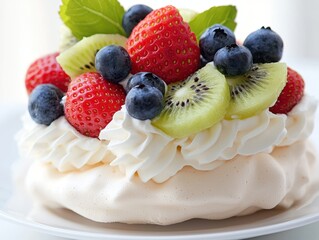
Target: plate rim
(230, 235)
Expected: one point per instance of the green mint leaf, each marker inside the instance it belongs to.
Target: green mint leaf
(89, 17)
(224, 15)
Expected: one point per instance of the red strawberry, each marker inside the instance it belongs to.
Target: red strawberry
(291, 94)
(46, 70)
(91, 103)
(163, 44)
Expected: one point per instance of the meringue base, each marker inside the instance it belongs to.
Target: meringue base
(240, 186)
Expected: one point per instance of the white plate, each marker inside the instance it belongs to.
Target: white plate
(15, 207)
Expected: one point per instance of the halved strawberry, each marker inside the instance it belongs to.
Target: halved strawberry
(91, 103)
(46, 70)
(291, 94)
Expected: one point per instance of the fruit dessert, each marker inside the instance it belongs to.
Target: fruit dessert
(160, 116)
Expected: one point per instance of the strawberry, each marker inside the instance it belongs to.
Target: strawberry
(46, 70)
(291, 94)
(163, 44)
(91, 103)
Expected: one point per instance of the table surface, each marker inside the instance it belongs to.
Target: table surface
(10, 231)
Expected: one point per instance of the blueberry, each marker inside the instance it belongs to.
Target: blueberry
(265, 45)
(148, 79)
(113, 63)
(233, 60)
(203, 61)
(215, 38)
(45, 104)
(144, 102)
(133, 16)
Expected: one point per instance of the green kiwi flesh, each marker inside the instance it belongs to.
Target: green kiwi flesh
(256, 90)
(194, 104)
(67, 39)
(80, 58)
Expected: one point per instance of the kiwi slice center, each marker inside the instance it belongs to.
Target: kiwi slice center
(194, 104)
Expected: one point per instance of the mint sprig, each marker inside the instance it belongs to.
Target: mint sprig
(89, 17)
(224, 15)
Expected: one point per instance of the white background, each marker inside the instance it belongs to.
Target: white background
(30, 29)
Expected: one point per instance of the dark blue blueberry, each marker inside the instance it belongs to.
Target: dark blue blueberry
(113, 63)
(133, 16)
(265, 45)
(203, 61)
(144, 102)
(233, 60)
(215, 38)
(148, 79)
(45, 104)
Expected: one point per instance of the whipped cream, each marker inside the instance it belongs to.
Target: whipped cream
(61, 145)
(136, 146)
(141, 148)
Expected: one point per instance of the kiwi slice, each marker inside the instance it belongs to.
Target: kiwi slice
(194, 104)
(67, 38)
(256, 90)
(80, 58)
(187, 14)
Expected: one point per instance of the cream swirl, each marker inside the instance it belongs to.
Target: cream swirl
(60, 144)
(141, 148)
